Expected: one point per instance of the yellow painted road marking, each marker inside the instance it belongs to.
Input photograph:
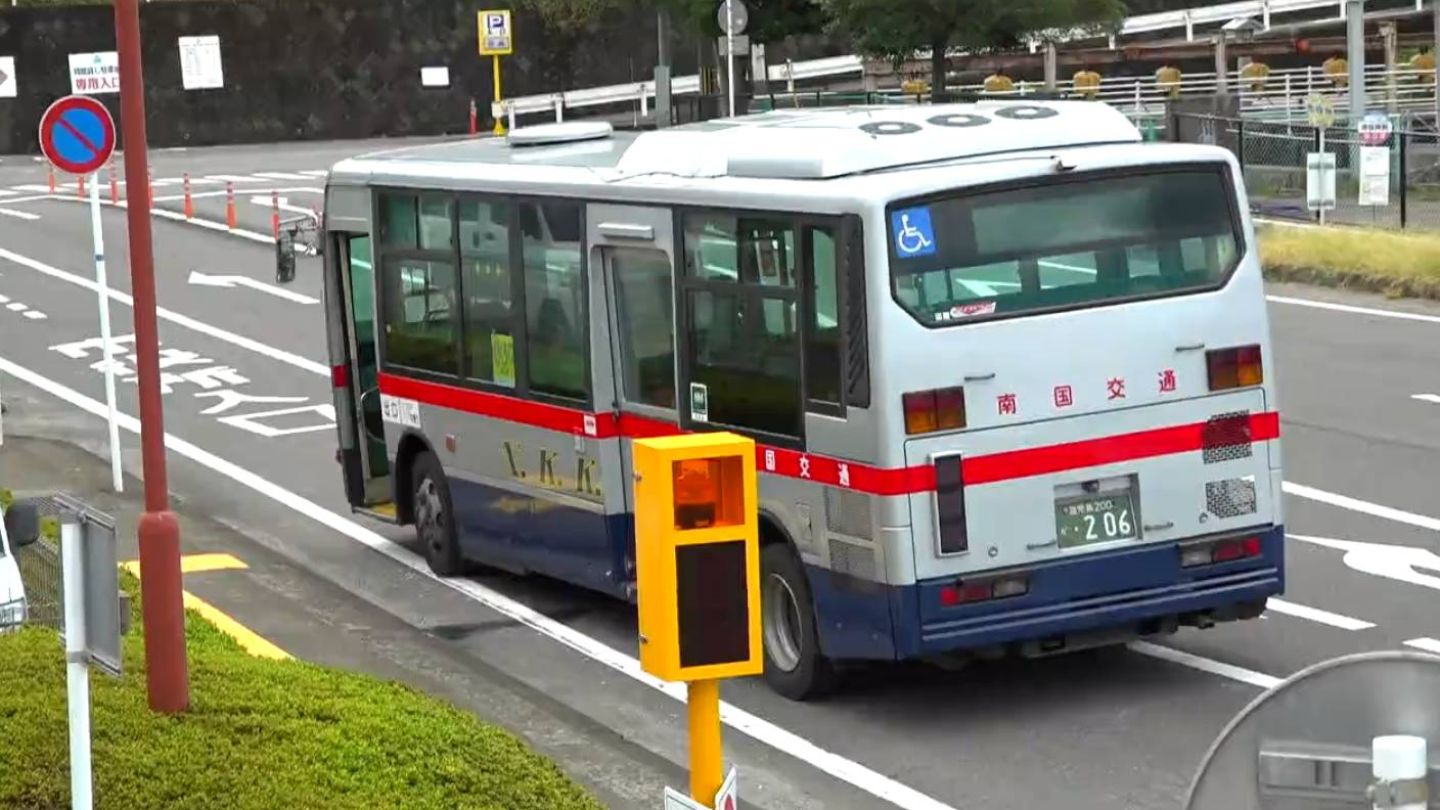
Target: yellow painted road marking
(248, 639)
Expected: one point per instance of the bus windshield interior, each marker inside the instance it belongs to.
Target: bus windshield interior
(1081, 241)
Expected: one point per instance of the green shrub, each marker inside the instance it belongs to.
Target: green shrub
(261, 734)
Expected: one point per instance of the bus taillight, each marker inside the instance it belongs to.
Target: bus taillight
(1235, 367)
(1218, 552)
(965, 592)
(934, 410)
(950, 504)
(340, 376)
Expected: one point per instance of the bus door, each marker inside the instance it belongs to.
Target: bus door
(635, 248)
(350, 294)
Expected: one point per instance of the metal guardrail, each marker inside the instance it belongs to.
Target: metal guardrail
(642, 93)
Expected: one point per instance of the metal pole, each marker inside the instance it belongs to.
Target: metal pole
(158, 532)
(499, 129)
(77, 670)
(703, 708)
(662, 67)
(1355, 45)
(1388, 31)
(107, 346)
(1322, 175)
(1051, 66)
(1435, 52)
(730, 51)
(1222, 73)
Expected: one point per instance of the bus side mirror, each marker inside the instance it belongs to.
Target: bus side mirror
(22, 524)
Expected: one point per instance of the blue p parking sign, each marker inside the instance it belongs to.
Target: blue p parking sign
(914, 235)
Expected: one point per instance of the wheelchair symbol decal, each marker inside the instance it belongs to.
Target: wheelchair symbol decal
(914, 235)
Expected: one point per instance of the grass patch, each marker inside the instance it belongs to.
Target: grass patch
(1400, 265)
(260, 734)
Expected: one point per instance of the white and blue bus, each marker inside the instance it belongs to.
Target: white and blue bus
(1008, 368)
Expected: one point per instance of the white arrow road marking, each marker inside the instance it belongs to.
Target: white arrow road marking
(284, 202)
(1429, 645)
(229, 282)
(1317, 615)
(1383, 560)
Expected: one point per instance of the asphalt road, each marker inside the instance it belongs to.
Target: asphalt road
(1115, 728)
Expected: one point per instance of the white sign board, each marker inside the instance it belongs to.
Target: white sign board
(739, 45)
(1320, 181)
(1374, 175)
(727, 798)
(9, 88)
(435, 76)
(95, 73)
(200, 64)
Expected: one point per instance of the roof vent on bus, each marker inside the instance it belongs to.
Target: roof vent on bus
(565, 132)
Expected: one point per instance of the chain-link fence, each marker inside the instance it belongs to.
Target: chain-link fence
(1274, 154)
(40, 572)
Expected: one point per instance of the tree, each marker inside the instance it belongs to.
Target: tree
(896, 29)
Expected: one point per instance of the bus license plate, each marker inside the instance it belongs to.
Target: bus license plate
(1098, 519)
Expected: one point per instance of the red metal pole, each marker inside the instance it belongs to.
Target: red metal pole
(114, 186)
(166, 671)
(189, 203)
(50, 174)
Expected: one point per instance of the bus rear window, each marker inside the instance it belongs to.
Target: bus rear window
(1064, 244)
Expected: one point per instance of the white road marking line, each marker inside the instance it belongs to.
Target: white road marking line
(7, 193)
(281, 176)
(33, 189)
(233, 339)
(35, 315)
(1354, 310)
(17, 307)
(235, 178)
(1435, 398)
(1317, 615)
(316, 172)
(1425, 643)
(1211, 666)
(1363, 507)
(26, 215)
(762, 730)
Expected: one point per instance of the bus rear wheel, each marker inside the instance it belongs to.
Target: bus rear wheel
(434, 519)
(794, 666)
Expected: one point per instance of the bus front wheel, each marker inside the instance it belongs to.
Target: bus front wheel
(794, 666)
(434, 519)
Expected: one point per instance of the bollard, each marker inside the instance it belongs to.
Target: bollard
(474, 119)
(50, 172)
(275, 215)
(114, 187)
(189, 203)
(80, 187)
(230, 205)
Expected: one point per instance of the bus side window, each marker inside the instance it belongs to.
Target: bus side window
(556, 324)
(822, 336)
(644, 304)
(420, 320)
(743, 327)
(489, 297)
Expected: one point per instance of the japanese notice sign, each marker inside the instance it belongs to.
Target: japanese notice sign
(497, 38)
(1374, 175)
(95, 73)
(9, 88)
(200, 65)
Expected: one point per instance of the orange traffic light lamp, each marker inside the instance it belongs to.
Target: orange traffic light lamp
(697, 567)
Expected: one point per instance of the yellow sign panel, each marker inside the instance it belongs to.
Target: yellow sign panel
(502, 359)
(697, 557)
(497, 38)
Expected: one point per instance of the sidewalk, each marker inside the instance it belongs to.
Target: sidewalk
(290, 612)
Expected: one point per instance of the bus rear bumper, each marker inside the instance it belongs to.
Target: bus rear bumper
(1096, 599)
(1069, 605)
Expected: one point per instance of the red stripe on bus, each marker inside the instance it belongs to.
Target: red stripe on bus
(1055, 458)
(985, 469)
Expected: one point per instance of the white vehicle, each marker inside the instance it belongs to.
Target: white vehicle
(18, 528)
(1005, 364)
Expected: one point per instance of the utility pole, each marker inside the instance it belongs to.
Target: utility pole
(662, 67)
(1435, 52)
(1355, 45)
(166, 671)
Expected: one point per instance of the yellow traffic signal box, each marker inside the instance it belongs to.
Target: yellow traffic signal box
(697, 557)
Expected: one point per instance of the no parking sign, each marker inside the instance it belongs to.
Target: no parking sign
(77, 134)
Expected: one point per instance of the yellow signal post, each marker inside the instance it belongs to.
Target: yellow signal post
(697, 567)
(497, 39)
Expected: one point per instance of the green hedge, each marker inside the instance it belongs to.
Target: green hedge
(261, 734)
